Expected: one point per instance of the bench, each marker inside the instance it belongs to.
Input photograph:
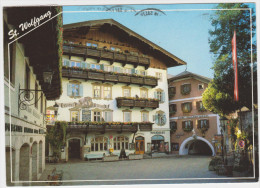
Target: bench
(93, 156)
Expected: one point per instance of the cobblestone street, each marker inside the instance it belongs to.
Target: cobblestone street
(156, 170)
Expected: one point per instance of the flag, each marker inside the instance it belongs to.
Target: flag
(234, 58)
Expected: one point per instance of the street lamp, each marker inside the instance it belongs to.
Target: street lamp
(223, 123)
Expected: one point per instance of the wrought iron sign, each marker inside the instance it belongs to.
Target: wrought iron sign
(27, 97)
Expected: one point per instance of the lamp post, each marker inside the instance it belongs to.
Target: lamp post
(223, 123)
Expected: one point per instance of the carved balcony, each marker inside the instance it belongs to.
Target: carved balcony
(137, 102)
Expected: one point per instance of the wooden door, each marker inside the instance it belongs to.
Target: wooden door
(139, 145)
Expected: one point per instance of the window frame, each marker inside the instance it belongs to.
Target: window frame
(142, 116)
(144, 90)
(124, 115)
(71, 115)
(96, 140)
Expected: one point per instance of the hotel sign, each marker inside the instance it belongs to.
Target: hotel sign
(158, 132)
(195, 116)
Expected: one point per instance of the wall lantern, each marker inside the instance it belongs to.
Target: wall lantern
(47, 76)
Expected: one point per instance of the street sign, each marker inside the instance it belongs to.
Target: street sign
(241, 143)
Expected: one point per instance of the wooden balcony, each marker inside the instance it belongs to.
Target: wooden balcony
(136, 102)
(102, 128)
(146, 127)
(99, 53)
(89, 74)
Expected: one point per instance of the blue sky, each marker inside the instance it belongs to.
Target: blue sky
(182, 31)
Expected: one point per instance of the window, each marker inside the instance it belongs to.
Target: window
(203, 123)
(107, 92)
(160, 118)
(11, 54)
(75, 64)
(160, 95)
(126, 92)
(173, 126)
(175, 146)
(115, 49)
(200, 106)
(121, 142)
(95, 66)
(97, 116)
(145, 116)
(172, 109)
(185, 89)
(143, 93)
(142, 72)
(91, 44)
(172, 92)
(108, 116)
(99, 143)
(186, 107)
(127, 116)
(118, 69)
(187, 125)
(127, 71)
(108, 68)
(74, 116)
(158, 75)
(97, 91)
(201, 86)
(74, 89)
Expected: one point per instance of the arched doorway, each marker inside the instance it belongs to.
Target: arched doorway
(10, 169)
(74, 148)
(34, 161)
(198, 146)
(40, 157)
(139, 145)
(158, 143)
(24, 162)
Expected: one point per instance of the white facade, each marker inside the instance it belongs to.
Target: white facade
(64, 113)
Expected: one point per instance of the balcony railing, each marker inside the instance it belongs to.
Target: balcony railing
(100, 53)
(109, 127)
(90, 74)
(137, 102)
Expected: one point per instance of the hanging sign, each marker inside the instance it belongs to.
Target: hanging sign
(241, 144)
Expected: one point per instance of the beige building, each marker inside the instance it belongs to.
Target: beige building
(193, 128)
(27, 61)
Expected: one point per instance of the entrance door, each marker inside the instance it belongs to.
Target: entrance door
(74, 148)
(139, 145)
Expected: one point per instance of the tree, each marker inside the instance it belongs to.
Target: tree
(219, 96)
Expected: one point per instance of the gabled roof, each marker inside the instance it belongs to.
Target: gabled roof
(128, 35)
(187, 74)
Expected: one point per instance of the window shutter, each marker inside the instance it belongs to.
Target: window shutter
(198, 105)
(80, 90)
(156, 119)
(164, 119)
(207, 123)
(69, 89)
(183, 124)
(182, 88)
(163, 96)
(83, 65)
(132, 71)
(191, 124)
(182, 106)
(189, 87)
(87, 65)
(190, 104)
(102, 66)
(199, 124)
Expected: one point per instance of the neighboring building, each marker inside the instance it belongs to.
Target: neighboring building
(115, 91)
(193, 128)
(25, 90)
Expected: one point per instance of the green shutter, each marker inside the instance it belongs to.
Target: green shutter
(83, 65)
(69, 89)
(199, 124)
(133, 71)
(102, 66)
(163, 96)
(81, 90)
(156, 119)
(88, 65)
(183, 124)
(155, 95)
(164, 119)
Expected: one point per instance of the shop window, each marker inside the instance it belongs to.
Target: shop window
(201, 86)
(74, 116)
(200, 106)
(172, 92)
(185, 89)
(74, 89)
(107, 91)
(108, 116)
(127, 116)
(186, 107)
(159, 76)
(160, 95)
(175, 146)
(145, 116)
(160, 118)
(121, 142)
(99, 143)
(96, 91)
(97, 116)
(143, 92)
